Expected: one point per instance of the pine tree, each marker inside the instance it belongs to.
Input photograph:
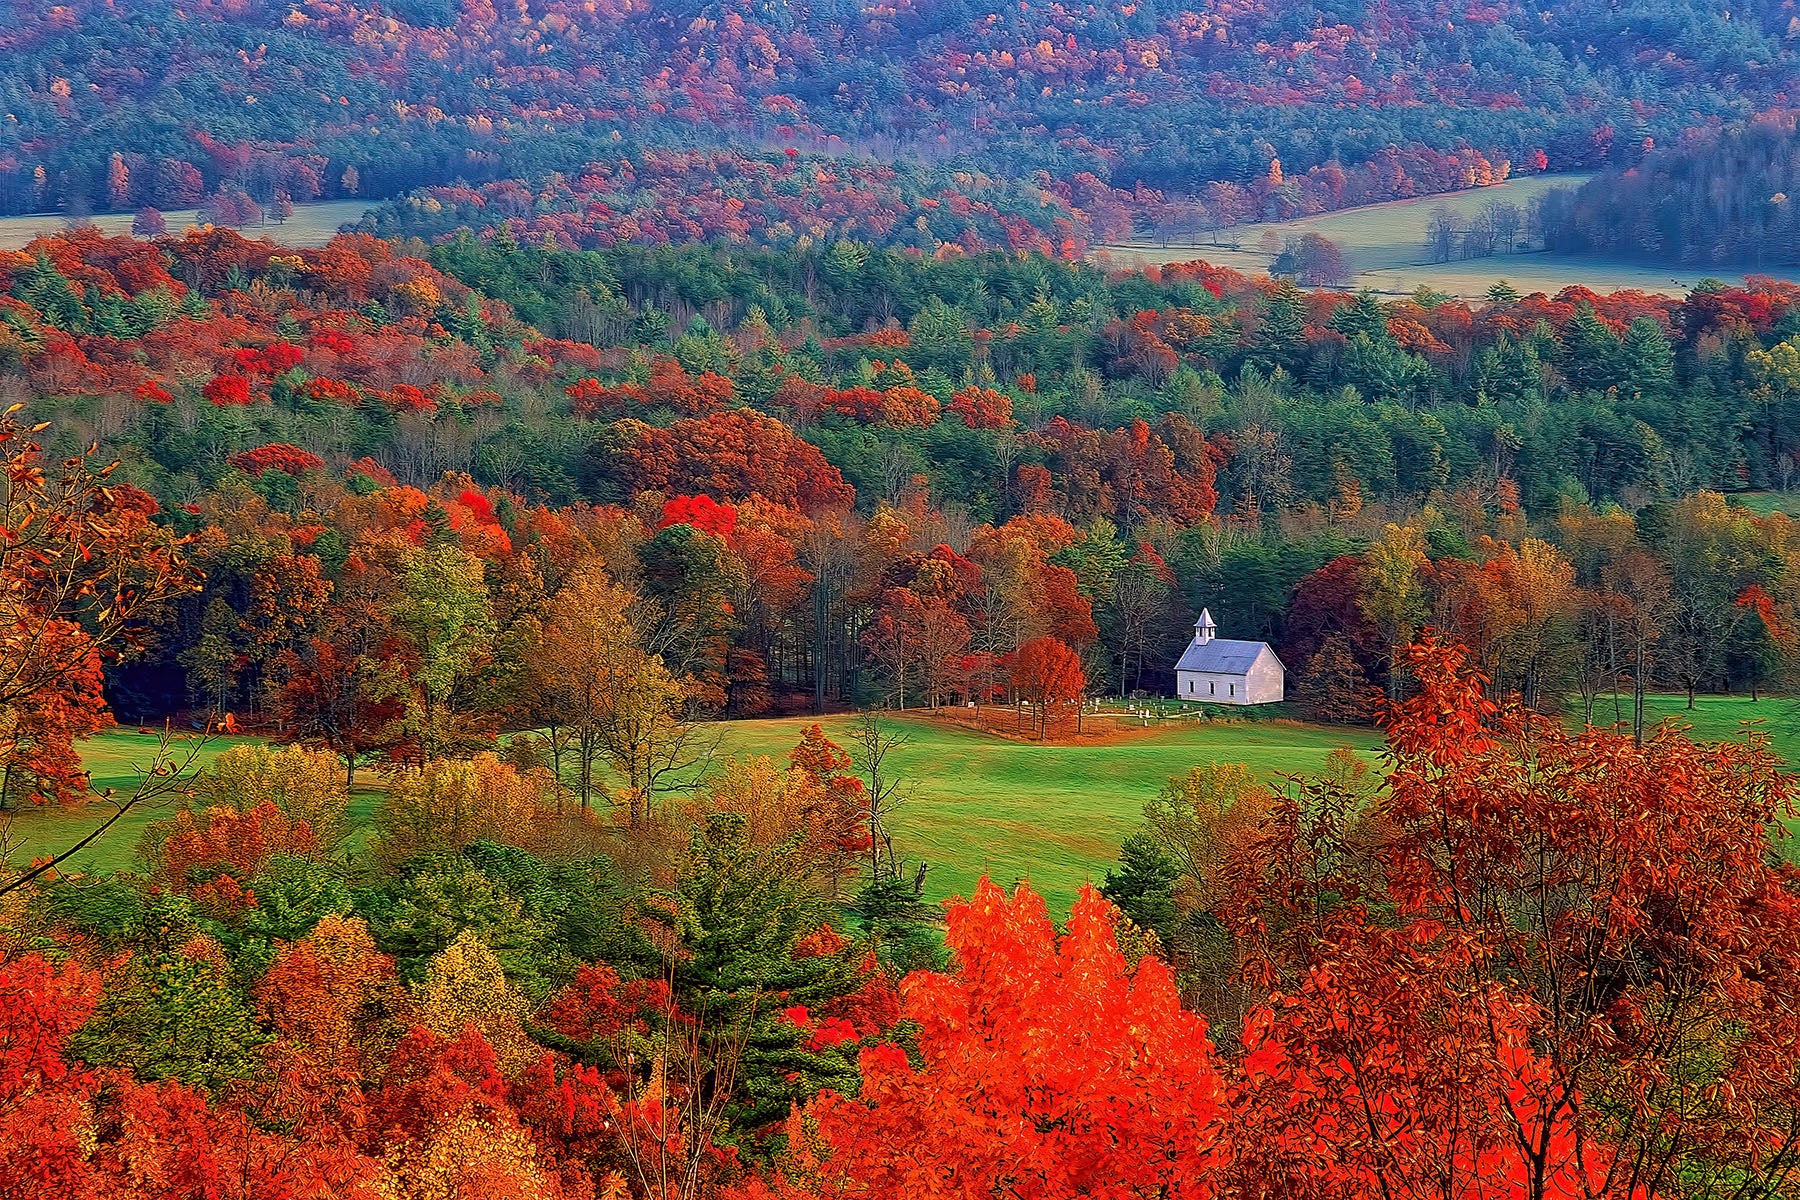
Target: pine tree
(743, 909)
(1590, 351)
(1646, 361)
(1282, 339)
(1143, 886)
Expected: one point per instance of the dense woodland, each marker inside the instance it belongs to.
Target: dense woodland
(801, 462)
(1227, 111)
(699, 361)
(1720, 197)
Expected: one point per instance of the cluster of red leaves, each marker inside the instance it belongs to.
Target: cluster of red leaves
(702, 512)
(668, 386)
(276, 456)
(729, 455)
(213, 861)
(227, 391)
(1043, 1065)
(270, 360)
(901, 407)
(983, 408)
(597, 1006)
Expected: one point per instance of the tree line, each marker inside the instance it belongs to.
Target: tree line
(1718, 198)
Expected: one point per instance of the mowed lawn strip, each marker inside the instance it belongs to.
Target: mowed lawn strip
(1054, 815)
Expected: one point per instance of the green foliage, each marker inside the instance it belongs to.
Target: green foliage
(745, 908)
(176, 1012)
(1143, 885)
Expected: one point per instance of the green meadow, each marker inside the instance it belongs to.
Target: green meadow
(976, 804)
(1053, 815)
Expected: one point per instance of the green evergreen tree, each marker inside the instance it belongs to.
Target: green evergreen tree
(1590, 351)
(1646, 361)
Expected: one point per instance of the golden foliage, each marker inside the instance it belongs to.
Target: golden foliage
(465, 1159)
(466, 985)
(449, 803)
(306, 785)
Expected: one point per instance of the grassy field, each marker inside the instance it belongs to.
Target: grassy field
(311, 224)
(1051, 814)
(1385, 247)
(1764, 503)
(1718, 718)
(116, 760)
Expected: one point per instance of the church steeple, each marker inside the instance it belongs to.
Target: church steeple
(1204, 629)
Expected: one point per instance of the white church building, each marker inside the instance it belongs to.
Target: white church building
(1216, 670)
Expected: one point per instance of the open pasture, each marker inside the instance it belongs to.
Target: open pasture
(311, 225)
(1384, 245)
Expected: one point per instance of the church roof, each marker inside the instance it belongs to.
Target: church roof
(1223, 656)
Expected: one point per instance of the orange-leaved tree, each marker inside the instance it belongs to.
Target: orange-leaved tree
(1048, 674)
(1542, 963)
(81, 567)
(1046, 1067)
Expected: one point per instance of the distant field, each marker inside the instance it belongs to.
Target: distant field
(311, 224)
(1764, 503)
(1385, 247)
(1052, 814)
(116, 759)
(1722, 718)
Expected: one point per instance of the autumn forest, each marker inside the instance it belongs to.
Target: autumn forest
(468, 684)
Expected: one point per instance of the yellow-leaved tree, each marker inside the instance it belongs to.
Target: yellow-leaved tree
(465, 985)
(306, 785)
(618, 701)
(449, 803)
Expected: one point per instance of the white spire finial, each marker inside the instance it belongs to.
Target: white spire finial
(1204, 629)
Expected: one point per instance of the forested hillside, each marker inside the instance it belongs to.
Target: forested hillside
(509, 527)
(489, 703)
(116, 106)
(1721, 197)
(836, 475)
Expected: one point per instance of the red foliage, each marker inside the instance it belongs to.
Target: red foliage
(269, 360)
(227, 390)
(730, 455)
(702, 512)
(335, 391)
(1035, 1064)
(598, 1006)
(217, 859)
(1465, 1034)
(276, 456)
(431, 1078)
(1047, 673)
(405, 398)
(983, 408)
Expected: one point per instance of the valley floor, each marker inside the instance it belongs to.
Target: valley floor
(1050, 814)
(311, 225)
